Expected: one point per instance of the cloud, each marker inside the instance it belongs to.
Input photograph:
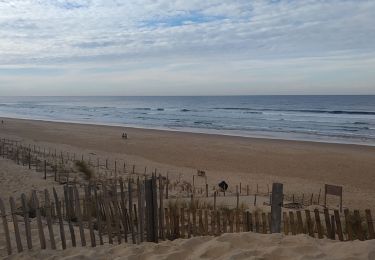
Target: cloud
(102, 36)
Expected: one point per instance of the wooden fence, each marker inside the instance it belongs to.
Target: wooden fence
(60, 165)
(134, 210)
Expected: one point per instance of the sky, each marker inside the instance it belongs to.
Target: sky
(180, 47)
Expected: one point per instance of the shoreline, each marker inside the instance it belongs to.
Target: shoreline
(202, 132)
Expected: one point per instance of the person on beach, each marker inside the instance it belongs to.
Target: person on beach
(124, 136)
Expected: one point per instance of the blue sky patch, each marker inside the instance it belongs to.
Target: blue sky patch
(180, 20)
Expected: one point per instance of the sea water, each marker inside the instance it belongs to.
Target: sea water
(344, 119)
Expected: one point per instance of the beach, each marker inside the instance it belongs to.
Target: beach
(303, 167)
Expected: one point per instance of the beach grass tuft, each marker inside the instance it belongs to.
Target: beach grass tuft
(85, 169)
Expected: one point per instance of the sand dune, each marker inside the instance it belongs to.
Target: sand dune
(228, 246)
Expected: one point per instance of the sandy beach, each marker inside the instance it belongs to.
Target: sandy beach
(303, 168)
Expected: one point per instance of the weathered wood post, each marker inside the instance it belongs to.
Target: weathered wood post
(277, 201)
(152, 207)
(45, 169)
(25, 208)
(5, 226)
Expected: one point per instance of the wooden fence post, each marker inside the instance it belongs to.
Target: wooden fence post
(318, 224)
(338, 225)
(292, 223)
(6, 228)
(89, 213)
(309, 224)
(131, 219)
(79, 216)
(98, 214)
(69, 214)
(277, 201)
(141, 214)
(328, 222)
(358, 226)
(151, 205)
(107, 214)
(15, 223)
(39, 220)
(371, 233)
(59, 215)
(49, 218)
(348, 224)
(25, 209)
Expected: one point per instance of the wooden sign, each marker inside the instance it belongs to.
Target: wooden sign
(333, 190)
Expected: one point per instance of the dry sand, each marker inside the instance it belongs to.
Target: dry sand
(303, 167)
(228, 246)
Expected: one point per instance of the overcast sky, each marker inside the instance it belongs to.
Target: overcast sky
(186, 47)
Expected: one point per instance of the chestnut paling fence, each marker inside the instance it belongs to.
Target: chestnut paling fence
(133, 211)
(112, 209)
(60, 165)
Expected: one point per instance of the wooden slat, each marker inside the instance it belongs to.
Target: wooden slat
(200, 223)
(25, 209)
(116, 213)
(182, 215)
(68, 215)
(60, 218)
(171, 223)
(230, 220)
(333, 230)
(42, 239)
(15, 224)
(89, 212)
(123, 210)
(189, 223)
(244, 221)
(328, 223)
(293, 224)
(177, 222)
(370, 225)
(107, 215)
(79, 216)
(264, 223)
(300, 228)
(167, 223)
(49, 219)
(286, 223)
(155, 205)
(161, 207)
(237, 212)
(257, 225)
(130, 209)
(338, 225)
(358, 224)
(309, 223)
(206, 222)
(218, 223)
(250, 222)
(98, 214)
(348, 224)
(225, 221)
(213, 222)
(318, 223)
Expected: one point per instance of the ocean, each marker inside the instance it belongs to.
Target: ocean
(337, 119)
